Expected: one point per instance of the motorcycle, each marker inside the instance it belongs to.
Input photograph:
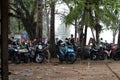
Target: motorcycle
(18, 54)
(42, 52)
(86, 52)
(66, 53)
(106, 51)
(102, 52)
(94, 55)
(110, 50)
(24, 55)
(13, 55)
(31, 49)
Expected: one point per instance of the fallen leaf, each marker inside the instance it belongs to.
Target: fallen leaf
(63, 67)
(57, 72)
(39, 77)
(15, 73)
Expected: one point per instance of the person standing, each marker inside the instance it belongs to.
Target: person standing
(72, 40)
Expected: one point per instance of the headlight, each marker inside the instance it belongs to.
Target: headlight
(16, 50)
(100, 45)
(40, 46)
(70, 50)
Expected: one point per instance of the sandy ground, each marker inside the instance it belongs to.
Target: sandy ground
(80, 70)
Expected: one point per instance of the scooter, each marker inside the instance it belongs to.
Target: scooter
(94, 55)
(13, 55)
(66, 53)
(31, 49)
(18, 54)
(42, 52)
(106, 51)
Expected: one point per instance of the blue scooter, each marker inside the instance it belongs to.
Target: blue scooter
(66, 53)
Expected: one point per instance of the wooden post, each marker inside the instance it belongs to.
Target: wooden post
(4, 37)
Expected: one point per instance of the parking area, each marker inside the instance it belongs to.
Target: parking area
(80, 70)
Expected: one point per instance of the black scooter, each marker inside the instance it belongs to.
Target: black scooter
(42, 52)
(18, 54)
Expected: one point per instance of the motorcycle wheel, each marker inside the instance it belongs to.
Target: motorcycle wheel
(15, 60)
(60, 60)
(39, 58)
(47, 55)
(116, 57)
(94, 57)
(105, 56)
(70, 59)
(25, 60)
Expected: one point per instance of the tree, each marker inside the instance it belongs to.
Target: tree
(46, 19)
(4, 38)
(15, 26)
(72, 15)
(52, 28)
(25, 11)
(112, 17)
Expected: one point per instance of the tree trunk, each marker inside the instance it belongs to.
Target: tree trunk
(97, 35)
(52, 29)
(39, 20)
(98, 27)
(30, 27)
(93, 34)
(114, 35)
(75, 29)
(85, 35)
(4, 9)
(48, 27)
(119, 37)
(81, 33)
(47, 13)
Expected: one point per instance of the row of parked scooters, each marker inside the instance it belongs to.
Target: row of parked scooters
(28, 52)
(65, 52)
(38, 52)
(102, 51)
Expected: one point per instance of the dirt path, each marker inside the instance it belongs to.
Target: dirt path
(80, 70)
(113, 71)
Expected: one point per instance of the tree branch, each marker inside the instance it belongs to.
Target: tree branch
(33, 12)
(13, 15)
(23, 7)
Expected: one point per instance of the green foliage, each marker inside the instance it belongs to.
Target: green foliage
(14, 26)
(75, 10)
(111, 14)
(22, 8)
(74, 14)
(25, 11)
